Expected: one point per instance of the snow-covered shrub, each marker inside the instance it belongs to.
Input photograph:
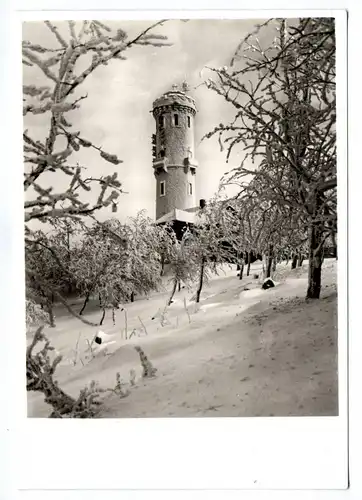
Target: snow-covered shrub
(35, 315)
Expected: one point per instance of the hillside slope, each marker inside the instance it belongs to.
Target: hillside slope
(242, 352)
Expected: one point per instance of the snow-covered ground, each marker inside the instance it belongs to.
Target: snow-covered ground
(242, 351)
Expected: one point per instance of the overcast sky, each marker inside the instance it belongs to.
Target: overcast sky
(116, 114)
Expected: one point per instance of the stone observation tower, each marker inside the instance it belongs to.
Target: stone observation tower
(174, 161)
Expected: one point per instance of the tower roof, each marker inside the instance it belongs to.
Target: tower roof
(176, 96)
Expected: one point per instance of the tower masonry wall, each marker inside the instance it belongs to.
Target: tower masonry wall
(176, 190)
(178, 139)
(174, 160)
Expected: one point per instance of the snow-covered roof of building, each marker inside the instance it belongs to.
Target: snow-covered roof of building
(177, 214)
(192, 209)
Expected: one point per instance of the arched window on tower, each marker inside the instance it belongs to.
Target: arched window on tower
(175, 120)
(188, 122)
(161, 121)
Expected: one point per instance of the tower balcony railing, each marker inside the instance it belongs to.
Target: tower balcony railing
(163, 163)
(160, 164)
(190, 164)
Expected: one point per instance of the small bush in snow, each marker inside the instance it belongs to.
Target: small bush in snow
(148, 369)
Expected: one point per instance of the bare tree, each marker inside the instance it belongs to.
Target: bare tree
(284, 98)
(211, 242)
(178, 254)
(257, 224)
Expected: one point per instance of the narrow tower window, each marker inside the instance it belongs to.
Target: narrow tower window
(190, 188)
(162, 188)
(161, 121)
(188, 121)
(175, 117)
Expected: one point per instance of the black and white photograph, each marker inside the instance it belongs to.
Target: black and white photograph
(181, 233)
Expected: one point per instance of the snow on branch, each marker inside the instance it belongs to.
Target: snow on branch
(284, 97)
(40, 373)
(60, 67)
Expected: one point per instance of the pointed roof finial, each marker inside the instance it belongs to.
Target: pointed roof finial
(185, 86)
(174, 86)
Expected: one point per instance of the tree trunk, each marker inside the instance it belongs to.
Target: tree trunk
(241, 270)
(314, 274)
(84, 304)
(201, 280)
(316, 246)
(132, 297)
(169, 302)
(162, 265)
(294, 261)
(69, 280)
(102, 319)
(274, 266)
(249, 262)
(51, 314)
(300, 260)
(269, 267)
(335, 246)
(238, 261)
(179, 286)
(44, 301)
(269, 262)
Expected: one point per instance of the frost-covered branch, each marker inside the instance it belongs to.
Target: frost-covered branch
(60, 69)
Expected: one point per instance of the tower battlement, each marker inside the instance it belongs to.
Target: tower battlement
(175, 98)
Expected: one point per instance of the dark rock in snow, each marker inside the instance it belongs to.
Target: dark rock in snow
(268, 283)
(256, 276)
(98, 340)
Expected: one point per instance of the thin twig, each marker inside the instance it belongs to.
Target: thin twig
(90, 347)
(187, 311)
(143, 326)
(76, 349)
(125, 322)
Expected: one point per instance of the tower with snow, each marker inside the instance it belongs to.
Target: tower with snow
(174, 163)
